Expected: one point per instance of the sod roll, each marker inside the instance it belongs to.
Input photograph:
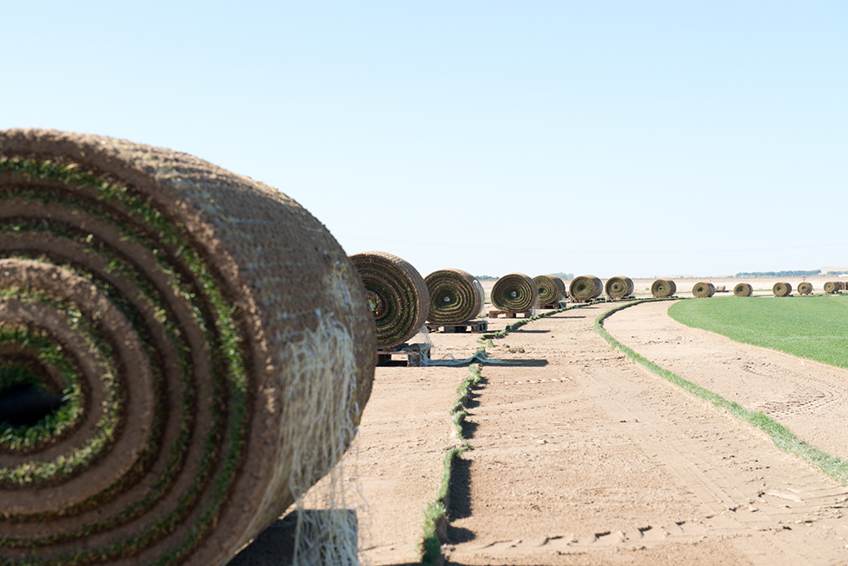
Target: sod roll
(703, 290)
(782, 289)
(805, 288)
(515, 292)
(455, 296)
(191, 348)
(619, 287)
(832, 287)
(743, 290)
(397, 295)
(585, 288)
(549, 289)
(663, 288)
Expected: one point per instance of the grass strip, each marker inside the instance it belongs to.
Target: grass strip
(782, 437)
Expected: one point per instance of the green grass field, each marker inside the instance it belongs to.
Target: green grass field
(810, 327)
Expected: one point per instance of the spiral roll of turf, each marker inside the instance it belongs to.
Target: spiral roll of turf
(743, 290)
(397, 295)
(703, 290)
(515, 292)
(805, 288)
(455, 296)
(782, 289)
(832, 287)
(663, 288)
(618, 288)
(201, 346)
(550, 289)
(585, 288)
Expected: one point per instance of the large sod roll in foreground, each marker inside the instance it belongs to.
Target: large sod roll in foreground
(514, 292)
(743, 290)
(455, 296)
(805, 288)
(550, 289)
(619, 287)
(191, 351)
(782, 289)
(585, 288)
(703, 290)
(397, 295)
(663, 288)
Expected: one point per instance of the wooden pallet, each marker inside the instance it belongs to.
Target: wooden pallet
(405, 355)
(470, 326)
(496, 313)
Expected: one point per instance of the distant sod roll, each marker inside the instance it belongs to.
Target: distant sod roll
(515, 292)
(397, 295)
(663, 288)
(618, 288)
(455, 296)
(585, 288)
(782, 289)
(832, 287)
(743, 290)
(183, 352)
(550, 289)
(703, 290)
(805, 288)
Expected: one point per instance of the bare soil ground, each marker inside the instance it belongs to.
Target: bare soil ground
(809, 397)
(591, 460)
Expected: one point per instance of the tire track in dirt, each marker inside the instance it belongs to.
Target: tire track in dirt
(592, 460)
(808, 397)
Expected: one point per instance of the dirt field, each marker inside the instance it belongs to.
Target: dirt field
(582, 457)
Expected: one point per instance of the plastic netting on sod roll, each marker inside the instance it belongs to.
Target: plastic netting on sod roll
(550, 289)
(192, 350)
(397, 296)
(585, 288)
(455, 296)
(515, 292)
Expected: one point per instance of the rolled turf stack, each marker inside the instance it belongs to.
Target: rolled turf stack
(805, 288)
(550, 290)
(186, 350)
(455, 296)
(585, 288)
(663, 288)
(703, 290)
(743, 290)
(397, 295)
(618, 288)
(833, 287)
(514, 292)
(782, 289)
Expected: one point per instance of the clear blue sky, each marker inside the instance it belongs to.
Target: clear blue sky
(636, 137)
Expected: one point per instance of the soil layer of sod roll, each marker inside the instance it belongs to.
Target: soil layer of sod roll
(549, 289)
(743, 290)
(805, 288)
(397, 295)
(663, 288)
(456, 296)
(619, 287)
(515, 292)
(782, 289)
(187, 320)
(585, 288)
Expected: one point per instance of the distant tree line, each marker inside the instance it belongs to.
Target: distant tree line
(788, 273)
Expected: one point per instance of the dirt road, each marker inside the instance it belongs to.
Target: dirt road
(588, 459)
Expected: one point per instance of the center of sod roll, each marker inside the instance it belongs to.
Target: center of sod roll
(25, 404)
